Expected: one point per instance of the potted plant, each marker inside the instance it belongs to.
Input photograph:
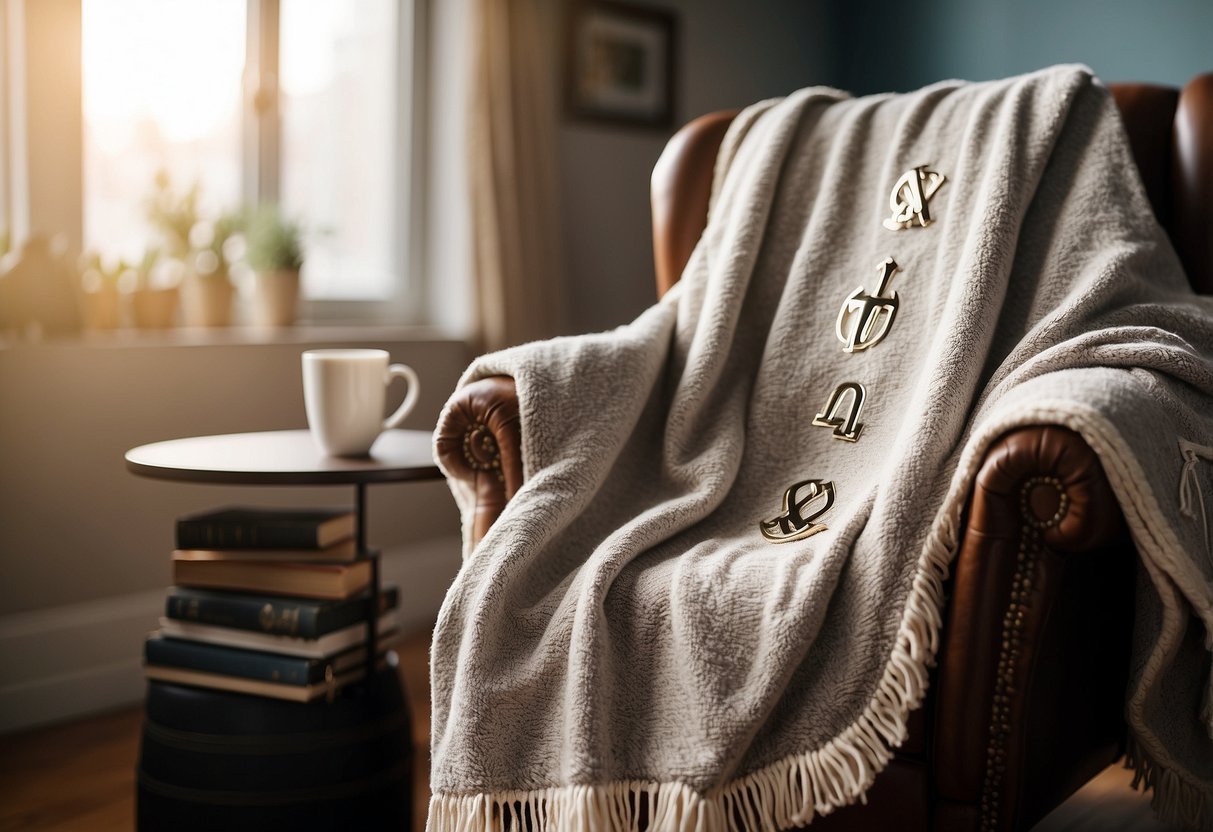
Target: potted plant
(275, 253)
(102, 299)
(153, 302)
(208, 280)
(199, 244)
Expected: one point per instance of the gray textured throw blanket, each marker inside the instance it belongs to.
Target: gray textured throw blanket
(706, 593)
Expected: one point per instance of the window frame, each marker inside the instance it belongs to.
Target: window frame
(7, 61)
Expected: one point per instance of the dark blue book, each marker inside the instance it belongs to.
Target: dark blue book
(248, 527)
(248, 664)
(300, 617)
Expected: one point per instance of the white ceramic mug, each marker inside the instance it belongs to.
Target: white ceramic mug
(344, 393)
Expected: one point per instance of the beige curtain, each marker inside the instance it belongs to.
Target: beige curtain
(512, 131)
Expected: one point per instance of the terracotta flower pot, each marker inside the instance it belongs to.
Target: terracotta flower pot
(154, 308)
(275, 298)
(207, 300)
(103, 307)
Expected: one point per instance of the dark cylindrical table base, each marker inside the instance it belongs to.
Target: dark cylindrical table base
(212, 760)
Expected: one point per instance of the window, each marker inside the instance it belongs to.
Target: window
(303, 102)
(161, 91)
(339, 137)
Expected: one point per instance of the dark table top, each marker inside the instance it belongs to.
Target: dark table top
(284, 457)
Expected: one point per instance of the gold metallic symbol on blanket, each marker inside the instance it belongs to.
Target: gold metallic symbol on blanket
(864, 320)
(845, 428)
(794, 524)
(911, 198)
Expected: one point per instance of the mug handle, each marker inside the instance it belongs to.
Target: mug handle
(405, 372)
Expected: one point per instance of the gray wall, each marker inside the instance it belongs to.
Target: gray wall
(730, 54)
(888, 45)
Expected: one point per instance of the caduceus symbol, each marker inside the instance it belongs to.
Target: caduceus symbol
(864, 320)
(794, 524)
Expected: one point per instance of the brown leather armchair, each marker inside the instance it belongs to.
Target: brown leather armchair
(1027, 695)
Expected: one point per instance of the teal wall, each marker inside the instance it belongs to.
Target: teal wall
(887, 45)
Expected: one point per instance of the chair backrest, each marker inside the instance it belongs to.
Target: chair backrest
(1170, 131)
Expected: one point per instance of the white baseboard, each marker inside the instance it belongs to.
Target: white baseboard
(84, 658)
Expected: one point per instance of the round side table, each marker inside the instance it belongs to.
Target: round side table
(215, 759)
(291, 457)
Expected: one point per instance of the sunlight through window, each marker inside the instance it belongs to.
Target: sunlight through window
(162, 90)
(165, 88)
(339, 137)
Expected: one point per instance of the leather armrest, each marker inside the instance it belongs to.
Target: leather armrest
(1047, 477)
(1036, 638)
(479, 441)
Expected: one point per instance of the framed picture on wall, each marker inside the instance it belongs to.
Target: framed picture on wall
(620, 63)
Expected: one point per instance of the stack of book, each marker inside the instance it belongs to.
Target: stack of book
(273, 602)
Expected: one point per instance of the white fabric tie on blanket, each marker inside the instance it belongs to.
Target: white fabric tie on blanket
(627, 640)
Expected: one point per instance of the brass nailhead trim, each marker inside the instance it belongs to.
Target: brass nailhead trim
(1025, 505)
(481, 433)
(1009, 649)
(1004, 682)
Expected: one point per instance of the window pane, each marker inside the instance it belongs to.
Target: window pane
(162, 89)
(337, 71)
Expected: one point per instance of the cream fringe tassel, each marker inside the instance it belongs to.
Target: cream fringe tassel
(782, 795)
(1175, 800)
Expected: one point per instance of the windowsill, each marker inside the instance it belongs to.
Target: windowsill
(308, 333)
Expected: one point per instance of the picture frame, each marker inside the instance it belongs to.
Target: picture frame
(620, 62)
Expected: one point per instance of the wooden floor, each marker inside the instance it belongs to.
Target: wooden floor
(80, 775)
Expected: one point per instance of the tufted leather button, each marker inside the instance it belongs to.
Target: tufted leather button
(480, 449)
(479, 441)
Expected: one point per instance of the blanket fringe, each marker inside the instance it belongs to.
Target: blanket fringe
(785, 794)
(1175, 800)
